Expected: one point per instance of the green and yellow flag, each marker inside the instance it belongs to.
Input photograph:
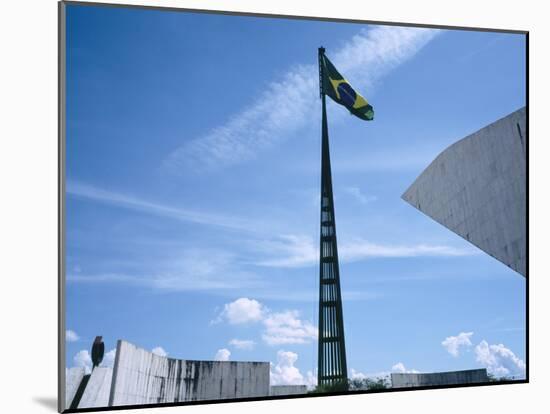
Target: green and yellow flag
(339, 89)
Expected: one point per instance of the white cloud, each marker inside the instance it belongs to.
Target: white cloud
(71, 336)
(290, 103)
(358, 378)
(279, 327)
(359, 196)
(242, 310)
(384, 376)
(301, 251)
(83, 359)
(311, 379)
(499, 360)
(286, 328)
(246, 344)
(285, 373)
(159, 351)
(453, 343)
(109, 358)
(356, 375)
(222, 355)
(400, 368)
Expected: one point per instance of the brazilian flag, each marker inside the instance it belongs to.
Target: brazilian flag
(339, 89)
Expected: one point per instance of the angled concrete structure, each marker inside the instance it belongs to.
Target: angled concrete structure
(477, 189)
(141, 377)
(73, 378)
(471, 376)
(98, 388)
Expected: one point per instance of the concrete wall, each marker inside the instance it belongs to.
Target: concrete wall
(98, 389)
(471, 376)
(141, 377)
(72, 381)
(477, 189)
(287, 389)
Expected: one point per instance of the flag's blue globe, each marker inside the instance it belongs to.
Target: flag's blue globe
(347, 94)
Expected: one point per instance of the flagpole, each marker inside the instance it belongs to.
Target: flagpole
(320, 356)
(332, 364)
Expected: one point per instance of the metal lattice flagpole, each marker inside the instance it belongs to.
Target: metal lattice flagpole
(332, 367)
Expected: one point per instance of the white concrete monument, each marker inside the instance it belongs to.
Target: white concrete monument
(477, 189)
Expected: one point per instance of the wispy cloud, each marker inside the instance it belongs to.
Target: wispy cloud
(378, 160)
(245, 344)
(291, 102)
(89, 192)
(289, 251)
(359, 195)
(359, 249)
(300, 251)
(197, 269)
(201, 268)
(312, 296)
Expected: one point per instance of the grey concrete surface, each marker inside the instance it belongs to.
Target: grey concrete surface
(141, 377)
(477, 189)
(471, 376)
(98, 389)
(287, 389)
(73, 379)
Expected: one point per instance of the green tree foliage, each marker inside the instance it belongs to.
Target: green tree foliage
(493, 378)
(336, 387)
(354, 385)
(369, 384)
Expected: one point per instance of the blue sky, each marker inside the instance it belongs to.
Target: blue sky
(193, 174)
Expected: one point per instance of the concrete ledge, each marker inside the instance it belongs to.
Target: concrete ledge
(472, 376)
(287, 389)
